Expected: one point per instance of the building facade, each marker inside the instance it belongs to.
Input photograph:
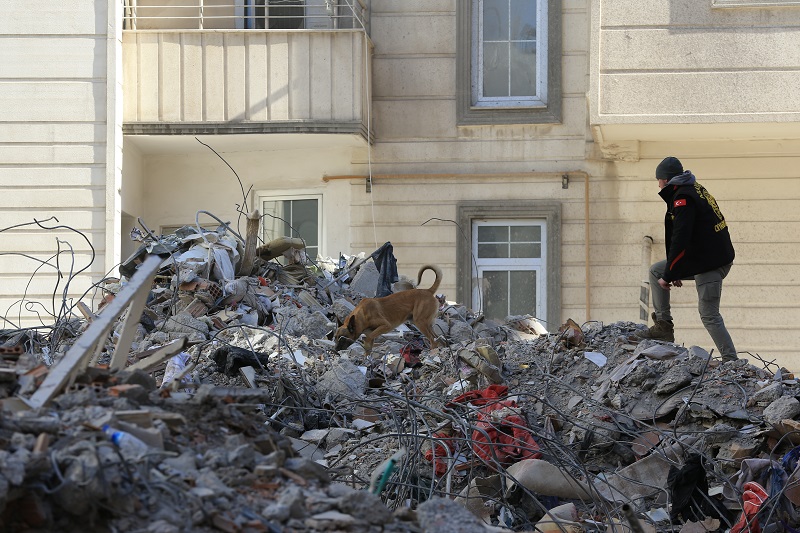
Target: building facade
(513, 143)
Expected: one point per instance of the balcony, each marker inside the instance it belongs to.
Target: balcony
(246, 66)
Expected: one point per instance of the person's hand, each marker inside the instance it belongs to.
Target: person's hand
(666, 285)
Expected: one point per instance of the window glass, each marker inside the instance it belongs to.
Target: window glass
(509, 293)
(293, 218)
(286, 14)
(495, 69)
(495, 294)
(492, 233)
(305, 221)
(508, 51)
(525, 249)
(510, 267)
(523, 12)
(526, 233)
(522, 300)
(523, 69)
(495, 20)
(492, 251)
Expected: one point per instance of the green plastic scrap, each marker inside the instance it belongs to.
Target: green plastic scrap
(380, 476)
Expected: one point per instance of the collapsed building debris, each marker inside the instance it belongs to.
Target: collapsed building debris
(213, 368)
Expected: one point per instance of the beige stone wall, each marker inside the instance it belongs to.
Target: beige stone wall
(178, 185)
(416, 133)
(57, 150)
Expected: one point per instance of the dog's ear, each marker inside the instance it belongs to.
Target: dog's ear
(351, 324)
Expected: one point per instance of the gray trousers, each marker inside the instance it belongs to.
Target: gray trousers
(709, 293)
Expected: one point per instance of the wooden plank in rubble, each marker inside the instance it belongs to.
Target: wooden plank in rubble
(159, 355)
(91, 341)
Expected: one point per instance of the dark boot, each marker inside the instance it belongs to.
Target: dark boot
(661, 330)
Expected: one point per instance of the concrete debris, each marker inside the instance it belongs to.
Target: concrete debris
(221, 368)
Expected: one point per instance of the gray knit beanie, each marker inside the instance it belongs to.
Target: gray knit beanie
(669, 168)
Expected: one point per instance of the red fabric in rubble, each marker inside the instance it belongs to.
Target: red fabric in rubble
(753, 497)
(439, 451)
(506, 440)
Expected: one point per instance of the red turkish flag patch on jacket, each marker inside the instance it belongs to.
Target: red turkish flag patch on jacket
(680, 202)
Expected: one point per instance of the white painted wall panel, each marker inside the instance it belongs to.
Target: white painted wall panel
(41, 240)
(299, 82)
(52, 132)
(77, 57)
(257, 76)
(213, 102)
(169, 90)
(32, 154)
(191, 76)
(321, 79)
(42, 176)
(690, 50)
(42, 198)
(76, 17)
(278, 57)
(347, 62)
(60, 100)
(236, 76)
(54, 143)
(20, 263)
(148, 83)
(31, 241)
(694, 96)
(240, 76)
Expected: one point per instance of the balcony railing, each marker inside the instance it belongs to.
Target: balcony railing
(245, 15)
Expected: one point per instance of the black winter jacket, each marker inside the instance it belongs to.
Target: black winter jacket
(695, 232)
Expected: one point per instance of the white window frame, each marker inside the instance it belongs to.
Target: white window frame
(264, 196)
(508, 264)
(537, 100)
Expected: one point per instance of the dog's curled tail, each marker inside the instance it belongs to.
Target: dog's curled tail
(436, 282)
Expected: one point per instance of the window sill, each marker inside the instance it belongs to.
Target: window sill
(486, 116)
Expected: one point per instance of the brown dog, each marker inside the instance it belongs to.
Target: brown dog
(376, 316)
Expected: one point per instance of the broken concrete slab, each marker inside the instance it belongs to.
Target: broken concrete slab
(343, 379)
(782, 408)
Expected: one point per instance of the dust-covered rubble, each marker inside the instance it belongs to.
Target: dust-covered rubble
(232, 410)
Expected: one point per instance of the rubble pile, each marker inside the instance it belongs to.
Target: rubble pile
(207, 393)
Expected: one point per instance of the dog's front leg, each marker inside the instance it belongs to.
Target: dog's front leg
(373, 334)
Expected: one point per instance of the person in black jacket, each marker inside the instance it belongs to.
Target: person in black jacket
(698, 247)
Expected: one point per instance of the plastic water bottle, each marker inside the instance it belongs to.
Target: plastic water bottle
(129, 446)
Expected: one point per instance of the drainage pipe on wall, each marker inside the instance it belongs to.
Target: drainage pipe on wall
(586, 244)
(647, 246)
(644, 298)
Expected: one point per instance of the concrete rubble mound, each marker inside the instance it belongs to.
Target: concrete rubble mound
(206, 393)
